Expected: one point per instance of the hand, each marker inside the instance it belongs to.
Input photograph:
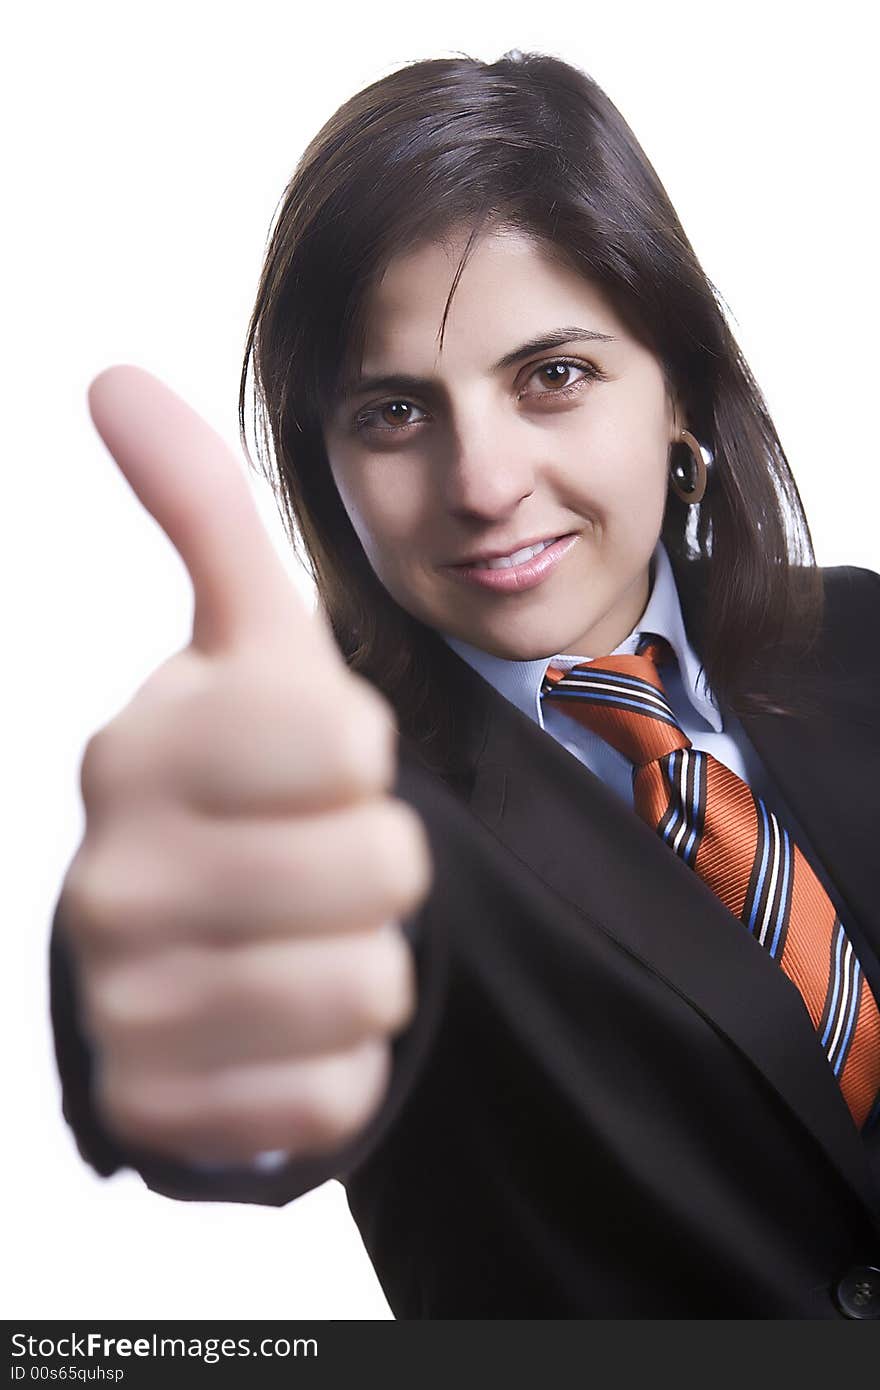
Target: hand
(233, 909)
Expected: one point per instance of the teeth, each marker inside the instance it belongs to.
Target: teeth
(518, 557)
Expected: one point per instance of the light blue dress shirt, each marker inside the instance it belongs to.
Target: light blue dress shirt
(695, 708)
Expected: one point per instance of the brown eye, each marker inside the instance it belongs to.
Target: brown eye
(402, 417)
(557, 377)
(557, 374)
(377, 417)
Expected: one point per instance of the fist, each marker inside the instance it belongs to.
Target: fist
(233, 911)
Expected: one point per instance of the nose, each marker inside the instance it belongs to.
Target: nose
(487, 475)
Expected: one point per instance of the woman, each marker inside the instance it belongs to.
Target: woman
(519, 441)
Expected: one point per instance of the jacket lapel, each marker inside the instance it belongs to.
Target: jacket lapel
(584, 844)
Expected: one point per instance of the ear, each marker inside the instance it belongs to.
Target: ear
(675, 405)
(679, 415)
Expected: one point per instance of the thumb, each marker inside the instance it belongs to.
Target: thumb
(195, 488)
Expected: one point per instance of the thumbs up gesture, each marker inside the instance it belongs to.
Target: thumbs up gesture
(233, 909)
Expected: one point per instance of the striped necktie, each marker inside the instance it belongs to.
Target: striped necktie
(721, 829)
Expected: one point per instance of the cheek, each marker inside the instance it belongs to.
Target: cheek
(622, 488)
(387, 508)
(625, 479)
(618, 449)
(637, 513)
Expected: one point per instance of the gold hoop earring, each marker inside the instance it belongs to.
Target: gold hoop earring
(688, 475)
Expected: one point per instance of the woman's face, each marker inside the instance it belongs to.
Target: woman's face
(494, 445)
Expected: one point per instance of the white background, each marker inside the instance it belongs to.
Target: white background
(147, 148)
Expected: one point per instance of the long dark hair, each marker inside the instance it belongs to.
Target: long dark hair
(530, 143)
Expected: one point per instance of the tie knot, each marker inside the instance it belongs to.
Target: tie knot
(622, 699)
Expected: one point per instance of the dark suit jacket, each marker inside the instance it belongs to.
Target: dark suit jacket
(611, 1102)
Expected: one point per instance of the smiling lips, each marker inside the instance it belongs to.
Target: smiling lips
(522, 569)
(518, 557)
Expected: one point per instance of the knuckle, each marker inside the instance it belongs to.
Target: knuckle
(99, 767)
(174, 696)
(84, 905)
(365, 740)
(111, 899)
(107, 1004)
(107, 908)
(130, 1003)
(179, 1115)
(142, 734)
(383, 990)
(400, 854)
(74, 898)
(335, 1108)
(131, 1105)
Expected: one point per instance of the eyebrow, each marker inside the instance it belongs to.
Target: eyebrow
(556, 337)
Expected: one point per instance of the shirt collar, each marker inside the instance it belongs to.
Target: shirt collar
(520, 681)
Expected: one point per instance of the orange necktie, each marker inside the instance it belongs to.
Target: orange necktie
(721, 829)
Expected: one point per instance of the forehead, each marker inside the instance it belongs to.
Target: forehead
(511, 288)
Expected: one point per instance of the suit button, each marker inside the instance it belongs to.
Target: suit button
(858, 1293)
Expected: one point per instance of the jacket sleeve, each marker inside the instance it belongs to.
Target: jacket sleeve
(250, 1184)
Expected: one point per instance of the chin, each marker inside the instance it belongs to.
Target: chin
(511, 649)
